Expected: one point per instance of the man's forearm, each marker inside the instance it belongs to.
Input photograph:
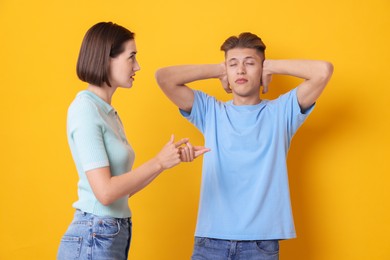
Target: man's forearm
(315, 73)
(305, 69)
(181, 75)
(173, 80)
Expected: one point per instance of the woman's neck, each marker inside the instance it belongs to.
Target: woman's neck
(105, 92)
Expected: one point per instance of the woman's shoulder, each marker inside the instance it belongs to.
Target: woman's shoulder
(83, 106)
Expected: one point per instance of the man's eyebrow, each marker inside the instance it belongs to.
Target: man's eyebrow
(232, 59)
(246, 58)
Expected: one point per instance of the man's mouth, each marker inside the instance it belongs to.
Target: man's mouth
(241, 81)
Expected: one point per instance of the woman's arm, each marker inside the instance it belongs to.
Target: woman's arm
(108, 189)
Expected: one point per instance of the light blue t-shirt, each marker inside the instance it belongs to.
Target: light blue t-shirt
(245, 192)
(97, 139)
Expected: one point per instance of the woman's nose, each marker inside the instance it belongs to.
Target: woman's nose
(136, 67)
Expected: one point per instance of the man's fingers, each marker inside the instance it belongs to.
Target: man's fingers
(227, 87)
(265, 89)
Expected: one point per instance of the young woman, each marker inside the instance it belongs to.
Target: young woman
(101, 228)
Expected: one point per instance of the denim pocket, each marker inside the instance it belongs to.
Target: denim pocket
(70, 247)
(200, 241)
(270, 247)
(107, 227)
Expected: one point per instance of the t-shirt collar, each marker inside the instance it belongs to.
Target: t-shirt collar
(103, 104)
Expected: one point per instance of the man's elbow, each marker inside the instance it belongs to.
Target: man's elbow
(326, 71)
(160, 78)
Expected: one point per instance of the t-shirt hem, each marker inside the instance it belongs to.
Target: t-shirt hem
(95, 165)
(248, 237)
(103, 211)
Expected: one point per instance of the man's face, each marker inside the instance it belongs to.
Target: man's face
(244, 67)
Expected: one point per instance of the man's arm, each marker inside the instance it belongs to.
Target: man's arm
(315, 73)
(172, 81)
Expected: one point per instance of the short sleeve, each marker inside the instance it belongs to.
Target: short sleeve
(292, 113)
(202, 104)
(85, 133)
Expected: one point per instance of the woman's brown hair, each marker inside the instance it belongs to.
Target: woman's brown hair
(102, 41)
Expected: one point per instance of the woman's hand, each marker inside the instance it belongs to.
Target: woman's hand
(188, 152)
(170, 156)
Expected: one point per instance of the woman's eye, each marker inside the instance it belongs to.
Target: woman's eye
(232, 65)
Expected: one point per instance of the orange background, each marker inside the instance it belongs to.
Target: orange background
(339, 160)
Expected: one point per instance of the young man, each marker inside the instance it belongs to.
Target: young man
(244, 207)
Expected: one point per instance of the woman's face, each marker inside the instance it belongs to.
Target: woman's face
(124, 66)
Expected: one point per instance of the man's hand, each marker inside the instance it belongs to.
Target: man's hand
(224, 80)
(266, 77)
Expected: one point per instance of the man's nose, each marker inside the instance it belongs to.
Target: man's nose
(241, 69)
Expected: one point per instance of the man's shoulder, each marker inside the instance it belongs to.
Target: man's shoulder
(206, 98)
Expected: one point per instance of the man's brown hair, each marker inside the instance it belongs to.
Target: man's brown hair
(244, 40)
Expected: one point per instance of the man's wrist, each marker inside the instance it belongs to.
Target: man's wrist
(267, 65)
(221, 70)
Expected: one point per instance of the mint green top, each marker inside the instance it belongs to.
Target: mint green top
(97, 139)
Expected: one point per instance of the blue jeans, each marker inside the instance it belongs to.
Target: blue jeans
(217, 249)
(93, 237)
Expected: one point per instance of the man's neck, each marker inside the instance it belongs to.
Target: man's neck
(245, 101)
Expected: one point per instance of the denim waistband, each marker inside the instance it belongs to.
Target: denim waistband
(95, 217)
